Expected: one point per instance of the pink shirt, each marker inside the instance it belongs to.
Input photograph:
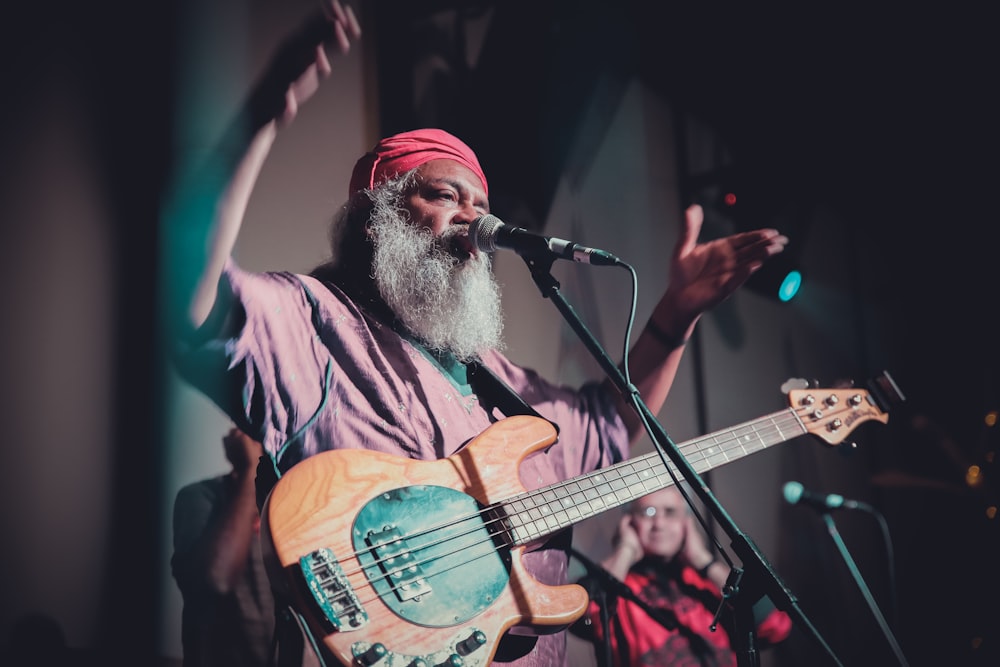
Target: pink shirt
(305, 369)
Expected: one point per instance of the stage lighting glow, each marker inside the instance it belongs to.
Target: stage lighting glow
(790, 285)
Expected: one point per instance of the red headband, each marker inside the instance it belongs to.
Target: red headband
(401, 152)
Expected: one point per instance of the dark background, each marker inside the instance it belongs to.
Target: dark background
(885, 113)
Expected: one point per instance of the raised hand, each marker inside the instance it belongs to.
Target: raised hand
(301, 62)
(702, 275)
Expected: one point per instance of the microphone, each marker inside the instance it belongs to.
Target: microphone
(488, 232)
(795, 494)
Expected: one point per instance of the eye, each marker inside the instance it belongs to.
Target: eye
(447, 195)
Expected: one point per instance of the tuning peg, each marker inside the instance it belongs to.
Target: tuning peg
(792, 384)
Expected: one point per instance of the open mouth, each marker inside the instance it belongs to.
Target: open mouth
(460, 247)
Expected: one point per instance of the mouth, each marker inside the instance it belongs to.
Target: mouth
(460, 247)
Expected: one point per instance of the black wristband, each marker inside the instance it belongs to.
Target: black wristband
(703, 572)
(665, 339)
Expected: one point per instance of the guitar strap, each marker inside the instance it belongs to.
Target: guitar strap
(495, 393)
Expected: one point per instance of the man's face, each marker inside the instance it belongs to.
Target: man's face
(427, 271)
(448, 196)
(660, 520)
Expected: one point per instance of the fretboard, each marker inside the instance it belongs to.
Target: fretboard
(536, 514)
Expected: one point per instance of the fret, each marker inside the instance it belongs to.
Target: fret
(536, 514)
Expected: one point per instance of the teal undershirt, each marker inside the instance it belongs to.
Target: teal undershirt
(449, 366)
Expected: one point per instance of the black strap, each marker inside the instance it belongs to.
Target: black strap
(497, 393)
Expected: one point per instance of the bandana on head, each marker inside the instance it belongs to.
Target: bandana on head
(401, 152)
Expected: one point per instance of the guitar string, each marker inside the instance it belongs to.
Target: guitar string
(739, 440)
(535, 494)
(724, 447)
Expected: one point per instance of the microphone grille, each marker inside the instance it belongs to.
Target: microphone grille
(793, 492)
(483, 232)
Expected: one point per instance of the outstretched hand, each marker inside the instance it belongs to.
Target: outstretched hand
(702, 275)
(301, 62)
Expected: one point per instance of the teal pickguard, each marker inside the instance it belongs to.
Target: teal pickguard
(429, 554)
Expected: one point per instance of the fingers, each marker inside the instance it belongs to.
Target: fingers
(291, 107)
(762, 246)
(352, 26)
(747, 250)
(345, 23)
(343, 43)
(694, 216)
(323, 67)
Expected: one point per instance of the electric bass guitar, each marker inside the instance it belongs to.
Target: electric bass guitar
(405, 563)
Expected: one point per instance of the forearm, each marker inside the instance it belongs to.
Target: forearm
(654, 360)
(621, 561)
(717, 573)
(228, 219)
(205, 216)
(228, 547)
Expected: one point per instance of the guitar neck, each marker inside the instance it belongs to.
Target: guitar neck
(533, 515)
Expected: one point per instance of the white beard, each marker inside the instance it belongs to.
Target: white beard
(449, 304)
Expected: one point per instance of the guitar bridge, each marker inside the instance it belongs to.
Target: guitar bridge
(331, 591)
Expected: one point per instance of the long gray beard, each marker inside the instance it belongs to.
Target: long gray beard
(448, 304)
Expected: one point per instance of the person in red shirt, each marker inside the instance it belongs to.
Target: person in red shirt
(661, 555)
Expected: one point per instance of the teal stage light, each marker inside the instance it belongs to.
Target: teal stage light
(780, 278)
(790, 285)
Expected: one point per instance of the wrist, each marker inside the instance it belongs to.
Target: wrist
(703, 570)
(245, 476)
(665, 337)
(627, 555)
(629, 552)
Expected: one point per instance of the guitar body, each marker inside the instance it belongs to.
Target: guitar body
(403, 563)
(392, 559)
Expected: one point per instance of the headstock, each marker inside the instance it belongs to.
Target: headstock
(832, 414)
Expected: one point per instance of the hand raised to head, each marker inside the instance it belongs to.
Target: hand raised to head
(695, 550)
(241, 450)
(626, 540)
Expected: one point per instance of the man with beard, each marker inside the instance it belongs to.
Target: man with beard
(394, 346)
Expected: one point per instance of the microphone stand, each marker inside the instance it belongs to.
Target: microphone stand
(609, 582)
(757, 578)
(865, 591)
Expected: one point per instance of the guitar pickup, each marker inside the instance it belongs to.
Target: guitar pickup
(331, 591)
(397, 563)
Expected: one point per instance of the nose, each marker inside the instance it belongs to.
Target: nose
(466, 215)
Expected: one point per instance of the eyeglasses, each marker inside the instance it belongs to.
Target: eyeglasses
(652, 510)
